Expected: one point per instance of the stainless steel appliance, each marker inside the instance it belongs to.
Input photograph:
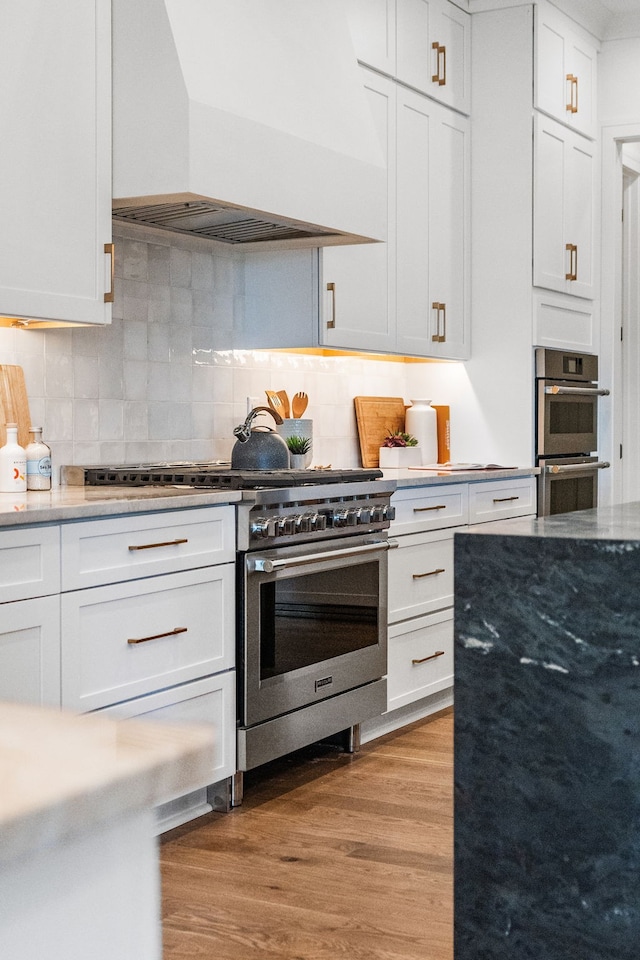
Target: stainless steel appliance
(312, 598)
(567, 400)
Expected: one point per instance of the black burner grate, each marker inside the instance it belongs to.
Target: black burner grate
(212, 476)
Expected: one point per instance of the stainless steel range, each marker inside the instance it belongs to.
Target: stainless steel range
(312, 599)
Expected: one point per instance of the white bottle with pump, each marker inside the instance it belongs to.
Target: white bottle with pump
(38, 462)
(13, 463)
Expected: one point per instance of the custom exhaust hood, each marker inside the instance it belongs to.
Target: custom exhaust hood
(246, 122)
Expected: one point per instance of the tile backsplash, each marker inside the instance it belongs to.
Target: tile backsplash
(158, 383)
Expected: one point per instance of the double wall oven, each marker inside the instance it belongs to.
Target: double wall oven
(567, 401)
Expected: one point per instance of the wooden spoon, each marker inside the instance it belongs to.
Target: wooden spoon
(299, 404)
(284, 399)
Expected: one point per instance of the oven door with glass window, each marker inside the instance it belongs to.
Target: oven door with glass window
(567, 418)
(566, 484)
(312, 624)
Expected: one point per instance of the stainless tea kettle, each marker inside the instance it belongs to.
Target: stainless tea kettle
(260, 448)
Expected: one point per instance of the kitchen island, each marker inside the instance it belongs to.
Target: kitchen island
(547, 737)
(79, 870)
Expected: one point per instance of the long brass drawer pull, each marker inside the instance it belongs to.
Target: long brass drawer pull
(109, 249)
(572, 106)
(504, 499)
(439, 506)
(165, 543)
(331, 322)
(438, 653)
(431, 573)
(572, 250)
(440, 77)
(158, 636)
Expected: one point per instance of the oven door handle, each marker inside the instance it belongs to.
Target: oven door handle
(574, 467)
(266, 565)
(578, 391)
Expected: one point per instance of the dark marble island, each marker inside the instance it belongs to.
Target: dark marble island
(547, 738)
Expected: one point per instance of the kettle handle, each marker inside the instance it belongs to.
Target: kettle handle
(243, 432)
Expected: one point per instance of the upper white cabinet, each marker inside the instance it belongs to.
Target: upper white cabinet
(55, 163)
(564, 209)
(565, 85)
(425, 44)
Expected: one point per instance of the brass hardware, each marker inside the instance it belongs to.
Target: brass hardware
(167, 543)
(109, 249)
(440, 308)
(440, 506)
(572, 106)
(158, 636)
(504, 499)
(572, 250)
(438, 653)
(432, 573)
(441, 58)
(331, 287)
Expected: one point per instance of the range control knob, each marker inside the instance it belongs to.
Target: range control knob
(390, 512)
(352, 516)
(285, 526)
(319, 521)
(340, 518)
(260, 527)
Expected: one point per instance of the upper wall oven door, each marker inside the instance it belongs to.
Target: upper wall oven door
(567, 418)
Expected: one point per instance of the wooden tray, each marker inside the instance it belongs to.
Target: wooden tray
(376, 417)
(14, 404)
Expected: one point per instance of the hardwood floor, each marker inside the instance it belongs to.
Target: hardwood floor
(330, 856)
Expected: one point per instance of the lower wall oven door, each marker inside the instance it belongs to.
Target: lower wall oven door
(566, 484)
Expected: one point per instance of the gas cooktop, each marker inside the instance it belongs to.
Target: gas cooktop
(208, 475)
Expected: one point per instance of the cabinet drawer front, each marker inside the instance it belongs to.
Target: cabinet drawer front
(122, 641)
(502, 499)
(212, 701)
(420, 575)
(112, 550)
(29, 563)
(445, 506)
(30, 651)
(420, 658)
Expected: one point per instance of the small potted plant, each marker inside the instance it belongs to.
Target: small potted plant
(399, 449)
(299, 451)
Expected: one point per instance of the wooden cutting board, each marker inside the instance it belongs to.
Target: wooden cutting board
(376, 417)
(14, 403)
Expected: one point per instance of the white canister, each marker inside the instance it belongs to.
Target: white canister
(421, 422)
(13, 463)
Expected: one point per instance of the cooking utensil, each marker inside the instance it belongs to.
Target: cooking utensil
(376, 417)
(259, 448)
(274, 401)
(14, 403)
(299, 404)
(285, 402)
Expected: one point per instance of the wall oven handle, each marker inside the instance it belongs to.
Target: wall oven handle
(573, 467)
(266, 565)
(577, 391)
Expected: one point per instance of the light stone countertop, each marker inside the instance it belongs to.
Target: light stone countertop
(76, 503)
(616, 522)
(64, 775)
(419, 477)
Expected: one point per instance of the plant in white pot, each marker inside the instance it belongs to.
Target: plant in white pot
(399, 449)
(299, 451)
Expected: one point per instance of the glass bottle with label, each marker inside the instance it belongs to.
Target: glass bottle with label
(38, 462)
(13, 463)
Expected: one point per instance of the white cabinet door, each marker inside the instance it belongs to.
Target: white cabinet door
(55, 162)
(433, 219)
(358, 282)
(565, 84)
(373, 29)
(30, 651)
(564, 201)
(433, 40)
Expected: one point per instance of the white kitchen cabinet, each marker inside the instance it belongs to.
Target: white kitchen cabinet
(566, 68)
(564, 209)
(55, 163)
(30, 651)
(425, 44)
(565, 323)
(420, 575)
(502, 499)
(29, 563)
(420, 658)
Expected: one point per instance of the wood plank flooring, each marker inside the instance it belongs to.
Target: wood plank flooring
(330, 857)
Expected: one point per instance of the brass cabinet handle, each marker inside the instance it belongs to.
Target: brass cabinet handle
(441, 58)
(331, 287)
(431, 573)
(504, 499)
(572, 250)
(109, 249)
(439, 506)
(151, 546)
(440, 308)
(438, 653)
(572, 106)
(158, 636)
